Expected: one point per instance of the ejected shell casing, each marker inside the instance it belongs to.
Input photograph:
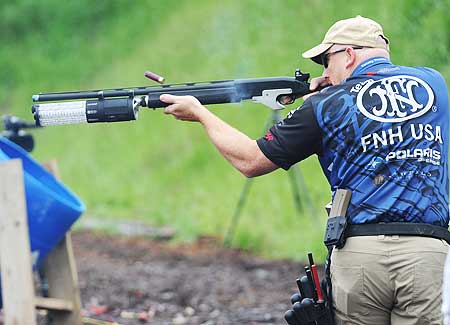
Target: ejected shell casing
(153, 76)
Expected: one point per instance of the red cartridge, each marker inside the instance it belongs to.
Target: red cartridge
(153, 76)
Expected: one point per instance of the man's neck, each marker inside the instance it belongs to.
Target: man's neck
(367, 54)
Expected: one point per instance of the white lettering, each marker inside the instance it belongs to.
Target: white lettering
(436, 155)
(418, 153)
(409, 154)
(401, 154)
(413, 131)
(393, 135)
(390, 156)
(356, 88)
(438, 134)
(377, 138)
(429, 132)
(427, 155)
(364, 141)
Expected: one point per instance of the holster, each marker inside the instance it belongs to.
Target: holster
(334, 232)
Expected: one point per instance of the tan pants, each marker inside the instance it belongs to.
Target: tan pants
(388, 280)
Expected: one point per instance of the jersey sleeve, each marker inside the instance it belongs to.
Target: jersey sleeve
(293, 139)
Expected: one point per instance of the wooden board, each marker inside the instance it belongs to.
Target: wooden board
(60, 270)
(15, 257)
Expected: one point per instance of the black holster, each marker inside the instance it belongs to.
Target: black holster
(335, 232)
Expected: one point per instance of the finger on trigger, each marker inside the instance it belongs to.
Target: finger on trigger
(315, 83)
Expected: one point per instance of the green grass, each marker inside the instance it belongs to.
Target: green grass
(161, 171)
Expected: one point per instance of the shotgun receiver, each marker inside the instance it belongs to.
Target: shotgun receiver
(115, 105)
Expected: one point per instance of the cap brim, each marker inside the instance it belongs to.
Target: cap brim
(316, 52)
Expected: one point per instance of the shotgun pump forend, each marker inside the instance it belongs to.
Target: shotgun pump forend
(115, 105)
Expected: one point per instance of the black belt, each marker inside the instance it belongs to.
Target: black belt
(398, 228)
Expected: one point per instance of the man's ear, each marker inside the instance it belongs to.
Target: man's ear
(351, 57)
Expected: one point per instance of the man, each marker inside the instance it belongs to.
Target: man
(381, 131)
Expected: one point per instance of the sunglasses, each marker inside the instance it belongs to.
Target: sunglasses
(326, 57)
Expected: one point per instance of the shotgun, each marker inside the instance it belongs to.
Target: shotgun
(115, 105)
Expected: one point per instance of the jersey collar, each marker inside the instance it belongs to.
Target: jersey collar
(370, 64)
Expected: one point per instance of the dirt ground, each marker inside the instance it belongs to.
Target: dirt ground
(133, 280)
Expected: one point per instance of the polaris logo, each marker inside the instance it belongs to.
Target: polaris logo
(395, 99)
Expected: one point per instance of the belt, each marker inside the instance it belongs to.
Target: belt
(398, 228)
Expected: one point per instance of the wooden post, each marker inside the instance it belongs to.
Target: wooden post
(60, 270)
(15, 257)
(19, 300)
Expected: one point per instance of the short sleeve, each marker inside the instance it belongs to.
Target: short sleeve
(293, 139)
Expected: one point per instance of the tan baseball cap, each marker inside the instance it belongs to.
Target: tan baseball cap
(358, 31)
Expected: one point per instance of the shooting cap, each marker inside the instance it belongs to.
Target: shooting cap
(358, 31)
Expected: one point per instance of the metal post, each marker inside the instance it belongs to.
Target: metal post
(297, 186)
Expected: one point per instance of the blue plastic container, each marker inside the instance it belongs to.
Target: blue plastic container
(51, 207)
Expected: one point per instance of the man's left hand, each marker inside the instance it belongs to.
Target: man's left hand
(185, 108)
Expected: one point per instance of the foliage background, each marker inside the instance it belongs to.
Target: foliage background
(165, 172)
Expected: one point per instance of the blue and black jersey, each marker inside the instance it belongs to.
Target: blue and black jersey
(383, 134)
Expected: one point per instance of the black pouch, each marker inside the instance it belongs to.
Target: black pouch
(334, 232)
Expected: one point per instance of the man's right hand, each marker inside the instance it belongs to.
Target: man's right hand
(317, 84)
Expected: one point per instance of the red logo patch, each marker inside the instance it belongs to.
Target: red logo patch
(371, 73)
(268, 136)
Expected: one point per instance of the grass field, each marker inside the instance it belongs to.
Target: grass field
(161, 171)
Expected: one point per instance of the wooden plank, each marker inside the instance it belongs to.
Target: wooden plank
(15, 257)
(52, 167)
(53, 304)
(60, 270)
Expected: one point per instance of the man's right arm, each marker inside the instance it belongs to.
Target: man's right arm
(240, 150)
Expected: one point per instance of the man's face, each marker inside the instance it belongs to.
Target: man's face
(335, 60)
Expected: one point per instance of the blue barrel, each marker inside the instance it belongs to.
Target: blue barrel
(51, 207)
